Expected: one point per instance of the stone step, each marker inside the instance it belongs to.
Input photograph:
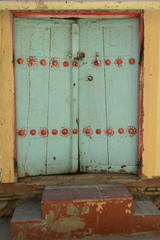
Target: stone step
(80, 200)
(83, 212)
(145, 207)
(28, 211)
(27, 215)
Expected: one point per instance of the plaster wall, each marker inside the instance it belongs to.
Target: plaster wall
(151, 124)
(151, 101)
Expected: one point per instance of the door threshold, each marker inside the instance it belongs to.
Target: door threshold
(80, 179)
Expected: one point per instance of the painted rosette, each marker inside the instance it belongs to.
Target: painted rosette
(119, 62)
(64, 132)
(54, 63)
(87, 131)
(109, 131)
(132, 131)
(32, 61)
(43, 132)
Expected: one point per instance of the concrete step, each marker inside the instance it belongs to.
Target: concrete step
(82, 200)
(145, 207)
(82, 212)
(28, 211)
(26, 219)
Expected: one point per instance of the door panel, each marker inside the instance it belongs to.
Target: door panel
(31, 96)
(92, 104)
(111, 100)
(60, 152)
(43, 97)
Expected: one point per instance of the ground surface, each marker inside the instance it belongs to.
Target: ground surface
(5, 233)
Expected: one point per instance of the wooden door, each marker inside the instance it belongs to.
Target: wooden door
(46, 98)
(108, 93)
(76, 95)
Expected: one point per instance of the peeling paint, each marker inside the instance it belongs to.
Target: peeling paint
(129, 205)
(128, 211)
(72, 210)
(100, 206)
(67, 224)
(85, 210)
(50, 218)
(64, 224)
(41, 5)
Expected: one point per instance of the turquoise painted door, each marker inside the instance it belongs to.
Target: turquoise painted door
(45, 100)
(76, 95)
(108, 93)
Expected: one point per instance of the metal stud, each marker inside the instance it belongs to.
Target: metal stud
(54, 131)
(65, 64)
(109, 132)
(98, 131)
(108, 62)
(20, 61)
(132, 61)
(121, 130)
(75, 131)
(22, 132)
(43, 62)
(65, 131)
(33, 132)
(96, 63)
(75, 64)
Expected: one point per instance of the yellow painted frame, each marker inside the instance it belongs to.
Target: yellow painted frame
(78, 5)
(7, 115)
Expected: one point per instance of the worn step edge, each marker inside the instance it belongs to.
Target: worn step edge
(123, 194)
(145, 207)
(27, 211)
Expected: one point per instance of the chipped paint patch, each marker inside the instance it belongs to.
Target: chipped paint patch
(72, 210)
(64, 224)
(67, 224)
(85, 210)
(129, 205)
(127, 211)
(100, 206)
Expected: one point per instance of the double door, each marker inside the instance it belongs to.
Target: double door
(76, 95)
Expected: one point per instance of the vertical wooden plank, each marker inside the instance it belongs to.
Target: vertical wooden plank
(92, 105)
(74, 99)
(122, 92)
(32, 38)
(60, 152)
(6, 97)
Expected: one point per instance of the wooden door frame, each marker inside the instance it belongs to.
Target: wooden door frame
(106, 15)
